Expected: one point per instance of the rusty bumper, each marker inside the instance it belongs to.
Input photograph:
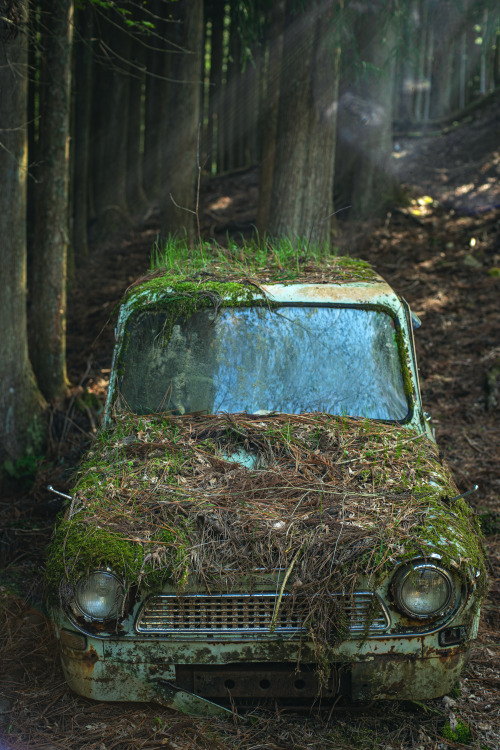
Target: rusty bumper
(193, 677)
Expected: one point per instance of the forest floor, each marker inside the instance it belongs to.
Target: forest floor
(442, 253)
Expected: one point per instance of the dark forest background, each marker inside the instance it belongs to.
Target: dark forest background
(112, 110)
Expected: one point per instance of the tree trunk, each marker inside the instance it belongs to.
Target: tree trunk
(364, 144)
(215, 91)
(302, 190)
(180, 167)
(33, 119)
(81, 130)
(270, 115)
(155, 107)
(21, 405)
(446, 16)
(317, 206)
(48, 287)
(221, 101)
(136, 197)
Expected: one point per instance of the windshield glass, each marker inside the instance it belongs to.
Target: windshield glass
(344, 361)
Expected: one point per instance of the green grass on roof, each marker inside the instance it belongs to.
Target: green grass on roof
(280, 259)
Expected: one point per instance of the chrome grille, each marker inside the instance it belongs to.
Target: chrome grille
(241, 615)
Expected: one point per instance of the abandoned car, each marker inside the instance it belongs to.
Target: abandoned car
(265, 514)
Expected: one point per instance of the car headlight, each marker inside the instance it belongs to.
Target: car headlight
(100, 596)
(424, 590)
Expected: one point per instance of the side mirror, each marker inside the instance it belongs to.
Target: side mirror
(415, 321)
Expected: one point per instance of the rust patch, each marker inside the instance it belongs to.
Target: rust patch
(375, 289)
(106, 627)
(86, 659)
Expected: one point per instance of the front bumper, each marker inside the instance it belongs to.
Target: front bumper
(193, 676)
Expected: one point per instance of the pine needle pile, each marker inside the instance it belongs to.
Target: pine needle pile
(330, 501)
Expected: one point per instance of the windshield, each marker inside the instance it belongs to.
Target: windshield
(343, 361)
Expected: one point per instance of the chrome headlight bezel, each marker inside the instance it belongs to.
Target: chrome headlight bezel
(114, 600)
(418, 567)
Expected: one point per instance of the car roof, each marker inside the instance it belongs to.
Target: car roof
(333, 280)
(328, 293)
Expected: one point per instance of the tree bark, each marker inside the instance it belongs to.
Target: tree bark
(81, 130)
(215, 91)
(302, 190)
(21, 404)
(155, 107)
(48, 283)
(270, 115)
(180, 167)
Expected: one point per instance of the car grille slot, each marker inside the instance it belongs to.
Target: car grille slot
(243, 615)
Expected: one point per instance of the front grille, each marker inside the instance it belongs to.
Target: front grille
(243, 615)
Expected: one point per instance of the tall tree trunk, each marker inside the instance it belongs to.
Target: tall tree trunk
(136, 197)
(364, 144)
(317, 204)
(48, 287)
(81, 130)
(305, 140)
(221, 101)
(155, 106)
(33, 119)
(215, 92)
(21, 405)
(180, 168)
(270, 115)
(446, 19)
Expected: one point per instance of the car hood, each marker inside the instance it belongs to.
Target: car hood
(319, 498)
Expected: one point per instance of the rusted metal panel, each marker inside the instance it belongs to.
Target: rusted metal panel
(259, 681)
(376, 676)
(352, 293)
(406, 679)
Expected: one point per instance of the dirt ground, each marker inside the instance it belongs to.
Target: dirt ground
(442, 253)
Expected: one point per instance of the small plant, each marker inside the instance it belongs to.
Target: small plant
(459, 732)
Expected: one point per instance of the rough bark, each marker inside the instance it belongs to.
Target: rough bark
(21, 405)
(179, 164)
(48, 280)
(270, 115)
(33, 106)
(302, 189)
